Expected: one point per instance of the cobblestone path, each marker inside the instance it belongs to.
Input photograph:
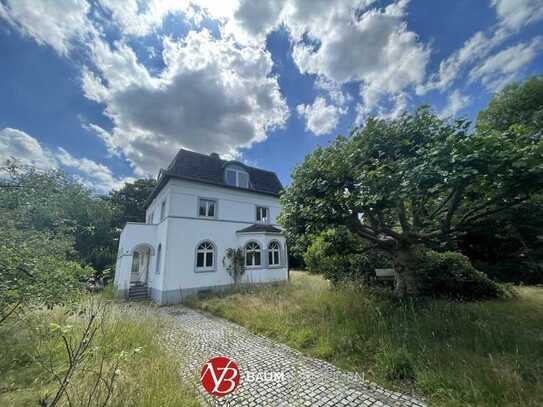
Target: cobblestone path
(299, 380)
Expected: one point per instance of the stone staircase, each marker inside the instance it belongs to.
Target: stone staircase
(138, 291)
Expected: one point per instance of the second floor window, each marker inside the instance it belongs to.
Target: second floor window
(262, 214)
(237, 178)
(207, 208)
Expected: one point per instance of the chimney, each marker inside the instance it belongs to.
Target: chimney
(214, 155)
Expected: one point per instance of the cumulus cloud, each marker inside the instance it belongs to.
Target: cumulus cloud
(54, 23)
(25, 148)
(320, 118)
(518, 13)
(504, 66)
(344, 42)
(212, 95)
(91, 173)
(456, 101)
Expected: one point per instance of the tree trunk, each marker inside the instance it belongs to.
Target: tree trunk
(405, 282)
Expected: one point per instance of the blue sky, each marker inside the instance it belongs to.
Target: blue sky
(108, 90)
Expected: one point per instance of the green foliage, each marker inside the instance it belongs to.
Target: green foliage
(234, 262)
(339, 255)
(508, 246)
(34, 269)
(451, 275)
(454, 354)
(395, 364)
(52, 203)
(414, 180)
(516, 104)
(145, 371)
(129, 201)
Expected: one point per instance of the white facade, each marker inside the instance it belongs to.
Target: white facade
(164, 249)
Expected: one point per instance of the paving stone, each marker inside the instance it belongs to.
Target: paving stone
(305, 381)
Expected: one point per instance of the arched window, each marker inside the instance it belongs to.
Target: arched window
(205, 256)
(158, 256)
(274, 250)
(252, 254)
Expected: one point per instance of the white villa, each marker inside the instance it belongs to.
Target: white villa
(202, 206)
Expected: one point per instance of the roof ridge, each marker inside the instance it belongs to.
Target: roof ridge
(223, 160)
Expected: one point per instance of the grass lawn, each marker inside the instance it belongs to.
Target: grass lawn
(488, 353)
(146, 374)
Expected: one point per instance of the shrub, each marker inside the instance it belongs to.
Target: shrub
(339, 255)
(451, 275)
(35, 268)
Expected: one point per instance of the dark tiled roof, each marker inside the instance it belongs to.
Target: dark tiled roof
(260, 228)
(210, 170)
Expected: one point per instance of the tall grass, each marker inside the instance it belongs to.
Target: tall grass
(147, 375)
(488, 353)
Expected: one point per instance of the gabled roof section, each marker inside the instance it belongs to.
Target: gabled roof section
(257, 227)
(209, 169)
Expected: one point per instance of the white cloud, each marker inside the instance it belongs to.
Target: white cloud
(336, 94)
(55, 23)
(456, 101)
(213, 95)
(344, 41)
(92, 174)
(25, 148)
(320, 118)
(513, 15)
(474, 49)
(105, 136)
(518, 13)
(503, 67)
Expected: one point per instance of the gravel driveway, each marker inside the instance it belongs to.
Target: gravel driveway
(272, 374)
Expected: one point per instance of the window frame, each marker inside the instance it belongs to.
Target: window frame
(203, 198)
(266, 220)
(158, 258)
(237, 171)
(270, 253)
(213, 251)
(246, 250)
(163, 210)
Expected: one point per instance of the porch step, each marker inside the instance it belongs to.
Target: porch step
(138, 292)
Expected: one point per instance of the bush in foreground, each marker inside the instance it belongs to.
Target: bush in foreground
(451, 275)
(124, 352)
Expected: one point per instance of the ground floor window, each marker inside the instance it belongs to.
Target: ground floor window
(205, 256)
(252, 254)
(274, 253)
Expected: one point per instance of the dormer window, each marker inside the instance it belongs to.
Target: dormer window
(237, 177)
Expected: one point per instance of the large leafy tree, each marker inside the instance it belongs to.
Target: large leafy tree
(509, 245)
(130, 201)
(40, 238)
(517, 103)
(53, 203)
(415, 180)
